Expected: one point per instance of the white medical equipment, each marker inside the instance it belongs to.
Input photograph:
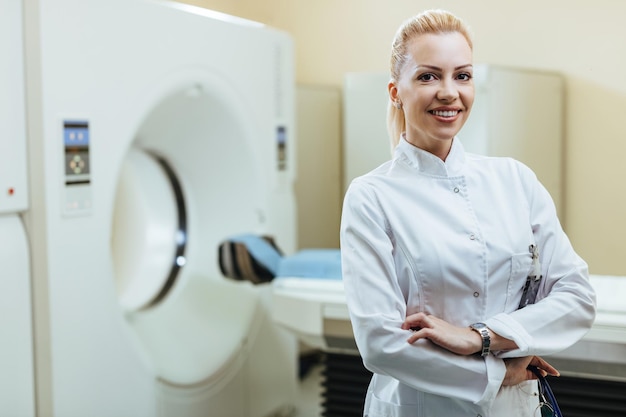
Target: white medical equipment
(16, 341)
(156, 130)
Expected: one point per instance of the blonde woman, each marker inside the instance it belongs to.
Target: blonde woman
(437, 245)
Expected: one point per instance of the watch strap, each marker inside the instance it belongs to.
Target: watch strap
(481, 328)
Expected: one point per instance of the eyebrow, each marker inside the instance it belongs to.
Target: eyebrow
(433, 67)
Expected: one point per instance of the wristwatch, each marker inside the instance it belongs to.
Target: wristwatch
(481, 328)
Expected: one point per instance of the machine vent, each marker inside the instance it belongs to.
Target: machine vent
(583, 397)
(346, 379)
(345, 382)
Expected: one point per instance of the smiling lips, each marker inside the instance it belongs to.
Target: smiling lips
(444, 113)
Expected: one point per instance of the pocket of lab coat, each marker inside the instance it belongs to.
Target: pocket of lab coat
(381, 408)
(520, 268)
(517, 400)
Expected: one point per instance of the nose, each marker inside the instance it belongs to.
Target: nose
(447, 91)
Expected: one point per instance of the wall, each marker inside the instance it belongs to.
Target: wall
(318, 184)
(581, 39)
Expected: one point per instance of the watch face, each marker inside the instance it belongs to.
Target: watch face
(479, 326)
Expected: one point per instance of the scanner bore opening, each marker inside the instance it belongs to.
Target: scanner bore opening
(181, 234)
(143, 167)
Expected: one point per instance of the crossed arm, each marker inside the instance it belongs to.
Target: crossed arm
(465, 341)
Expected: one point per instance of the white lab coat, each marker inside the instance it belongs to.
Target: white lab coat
(452, 239)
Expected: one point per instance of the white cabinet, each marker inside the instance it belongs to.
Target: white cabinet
(519, 113)
(13, 188)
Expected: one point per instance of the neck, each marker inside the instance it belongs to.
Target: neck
(439, 148)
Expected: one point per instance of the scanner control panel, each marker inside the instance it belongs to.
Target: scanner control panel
(76, 140)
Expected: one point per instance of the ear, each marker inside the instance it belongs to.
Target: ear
(393, 91)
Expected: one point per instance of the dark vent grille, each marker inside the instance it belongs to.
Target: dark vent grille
(345, 382)
(583, 397)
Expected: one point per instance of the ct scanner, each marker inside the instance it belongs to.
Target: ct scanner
(156, 130)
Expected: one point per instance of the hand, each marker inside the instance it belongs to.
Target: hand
(517, 369)
(459, 340)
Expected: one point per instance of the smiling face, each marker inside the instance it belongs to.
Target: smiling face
(435, 89)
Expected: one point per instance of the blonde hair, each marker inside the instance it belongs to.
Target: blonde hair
(427, 22)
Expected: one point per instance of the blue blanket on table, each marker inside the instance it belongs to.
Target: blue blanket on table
(259, 251)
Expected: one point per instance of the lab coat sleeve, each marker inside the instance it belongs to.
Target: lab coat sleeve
(565, 306)
(378, 308)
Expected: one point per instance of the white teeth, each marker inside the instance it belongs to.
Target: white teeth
(447, 113)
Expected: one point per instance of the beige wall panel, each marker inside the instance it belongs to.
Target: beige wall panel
(318, 186)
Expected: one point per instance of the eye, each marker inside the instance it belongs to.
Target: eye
(427, 77)
(464, 76)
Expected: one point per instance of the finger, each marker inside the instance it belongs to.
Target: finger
(415, 320)
(415, 336)
(544, 366)
(406, 325)
(550, 370)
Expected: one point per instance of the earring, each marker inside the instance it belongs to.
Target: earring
(398, 104)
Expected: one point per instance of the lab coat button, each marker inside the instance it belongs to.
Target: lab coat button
(456, 189)
(472, 237)
(476, 293)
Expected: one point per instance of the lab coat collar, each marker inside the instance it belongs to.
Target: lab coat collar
(430, 164)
